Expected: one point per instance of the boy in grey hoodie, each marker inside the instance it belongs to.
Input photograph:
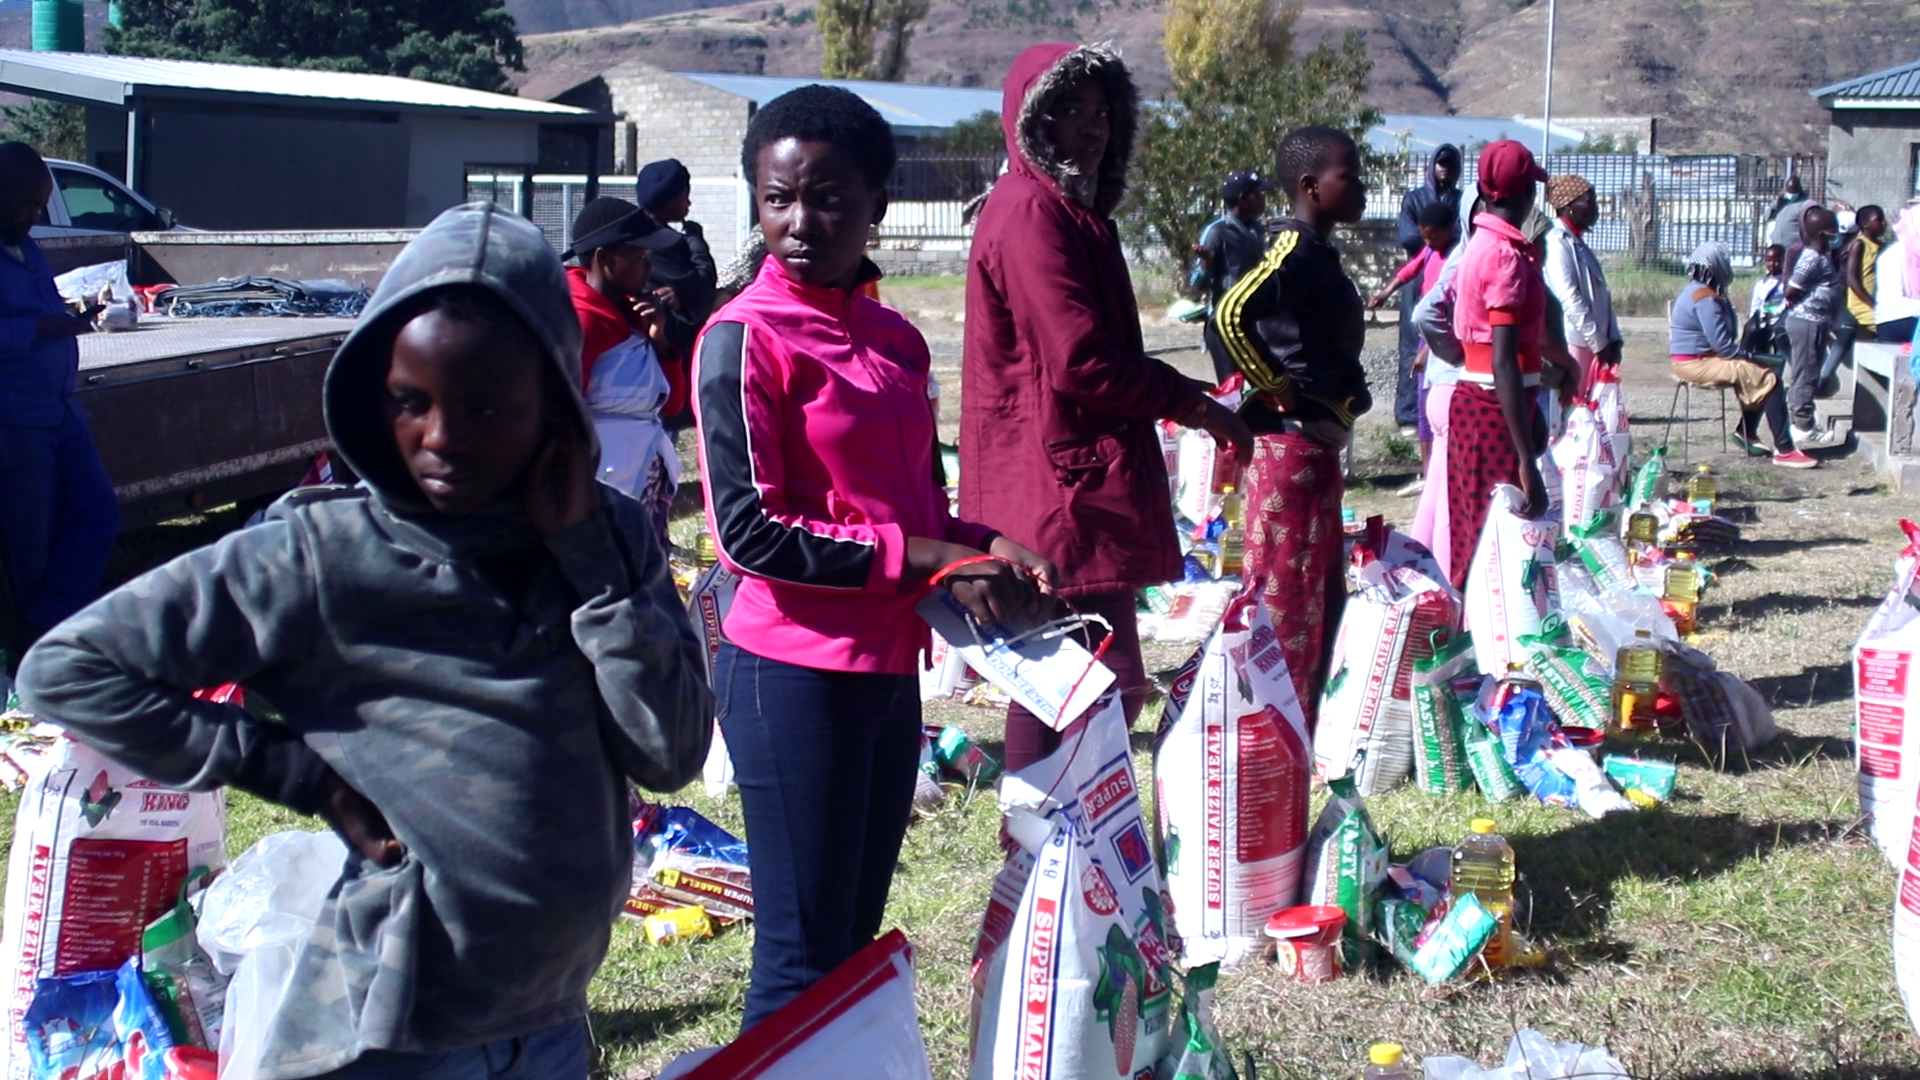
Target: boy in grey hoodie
(475, 650)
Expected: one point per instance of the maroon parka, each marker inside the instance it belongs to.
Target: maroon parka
(1058, 396)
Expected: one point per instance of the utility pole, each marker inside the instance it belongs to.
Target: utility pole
(1546, 111)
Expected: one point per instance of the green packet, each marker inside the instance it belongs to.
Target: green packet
(1346, 862)
(1397, 926)
(1638, 774)
(1487, 760)
(1459, 938)
(1438, 753)
(1576, 697)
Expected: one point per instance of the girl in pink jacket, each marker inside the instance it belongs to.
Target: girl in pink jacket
(817, 446)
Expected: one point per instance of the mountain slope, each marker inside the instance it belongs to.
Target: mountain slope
(1718, 74)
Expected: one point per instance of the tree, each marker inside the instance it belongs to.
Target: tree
(468, 43)
(1238, 86)
(978, 136)
(850, 30)
(54, 129)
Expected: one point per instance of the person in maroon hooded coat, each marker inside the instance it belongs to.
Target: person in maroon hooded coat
(1058, 395)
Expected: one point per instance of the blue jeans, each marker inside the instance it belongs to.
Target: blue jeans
(825, 761)
(58, 518)
(1406, 386)
(559, 1052)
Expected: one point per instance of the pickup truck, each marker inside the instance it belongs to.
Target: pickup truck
(197, 412)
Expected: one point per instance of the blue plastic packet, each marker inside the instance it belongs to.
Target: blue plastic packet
(684, 829)
(1526, 735)
(139, 1026)
(69, 1027)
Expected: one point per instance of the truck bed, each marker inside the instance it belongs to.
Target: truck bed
(168, 339)
(194, 413)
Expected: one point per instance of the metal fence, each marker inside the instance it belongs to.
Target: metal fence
(1653, 207)
(719, 205)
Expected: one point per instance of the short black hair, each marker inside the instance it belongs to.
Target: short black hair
(1438, 215)
(1781, 248)
(1870, 210)
(827, 114)
(1307, 150)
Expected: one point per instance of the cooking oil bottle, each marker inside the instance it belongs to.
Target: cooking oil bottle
(705, 552)
(1386, 1061)
(1682, 592)
(1483, 866)
(1703, 489)
(1636, 682)
(1232, 557)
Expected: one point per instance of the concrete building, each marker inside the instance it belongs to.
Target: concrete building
(700, 118)
(1873, 145)
(227, 146)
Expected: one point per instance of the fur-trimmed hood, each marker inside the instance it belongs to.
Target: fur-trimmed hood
(1036, 80)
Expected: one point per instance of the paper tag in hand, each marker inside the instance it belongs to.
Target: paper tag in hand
(1051, 675)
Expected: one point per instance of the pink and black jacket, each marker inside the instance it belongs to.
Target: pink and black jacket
(817, 446)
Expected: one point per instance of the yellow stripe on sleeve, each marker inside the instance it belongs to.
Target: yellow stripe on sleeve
(1246, 353)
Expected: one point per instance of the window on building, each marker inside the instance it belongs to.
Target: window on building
(1913, 171)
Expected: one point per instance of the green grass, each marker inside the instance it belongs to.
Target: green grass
(1741, 931)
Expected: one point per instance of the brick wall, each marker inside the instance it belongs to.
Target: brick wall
(678, 118)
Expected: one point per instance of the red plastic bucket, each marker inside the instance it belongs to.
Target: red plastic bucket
(1307, 942)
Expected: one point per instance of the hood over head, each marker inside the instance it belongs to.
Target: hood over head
(1038, 77)
(1445, 152)
(480, 245)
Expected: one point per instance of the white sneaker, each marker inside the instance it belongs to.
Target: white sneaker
(1412, 487)
(1816, 440)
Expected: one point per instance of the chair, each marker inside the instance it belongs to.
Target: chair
(1683, 392)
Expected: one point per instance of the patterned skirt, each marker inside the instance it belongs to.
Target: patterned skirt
(1295, 549)
(1480, 454)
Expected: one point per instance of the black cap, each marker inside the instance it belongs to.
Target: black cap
(660, 181)
(1239, 183)
(607, 221)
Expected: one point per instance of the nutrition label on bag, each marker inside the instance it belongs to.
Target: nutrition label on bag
(114, 889)
(1881, 681)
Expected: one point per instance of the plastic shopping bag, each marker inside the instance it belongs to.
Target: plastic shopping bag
(254, 922)
(1510, 583)
(712, 596)
(1886, 702)
(1044, 669)
(1589, 474)
(1366, 711)
(859, 1020)
(98, 853)
(1610, 412)
(1078, 983)
(1231, 776)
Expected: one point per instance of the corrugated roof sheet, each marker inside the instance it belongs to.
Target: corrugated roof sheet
(1892, 84)
(909, 107)
(113, 79)
(1466, 132)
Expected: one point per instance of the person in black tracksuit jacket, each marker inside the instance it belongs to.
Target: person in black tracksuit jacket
(684, 278)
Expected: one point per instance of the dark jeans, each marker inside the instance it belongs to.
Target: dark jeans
(1803, 368)
(825, 761)
(58, 519)
(1406, 389)
(1029, 740)
(1845, 330)
(1899, 331)
(559, 1052)
(1774, 408)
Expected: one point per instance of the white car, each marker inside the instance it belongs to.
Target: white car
(88, 202)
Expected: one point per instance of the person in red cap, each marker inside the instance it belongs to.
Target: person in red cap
(1495, 431)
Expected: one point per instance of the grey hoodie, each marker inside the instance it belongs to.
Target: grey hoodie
(496, 732)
